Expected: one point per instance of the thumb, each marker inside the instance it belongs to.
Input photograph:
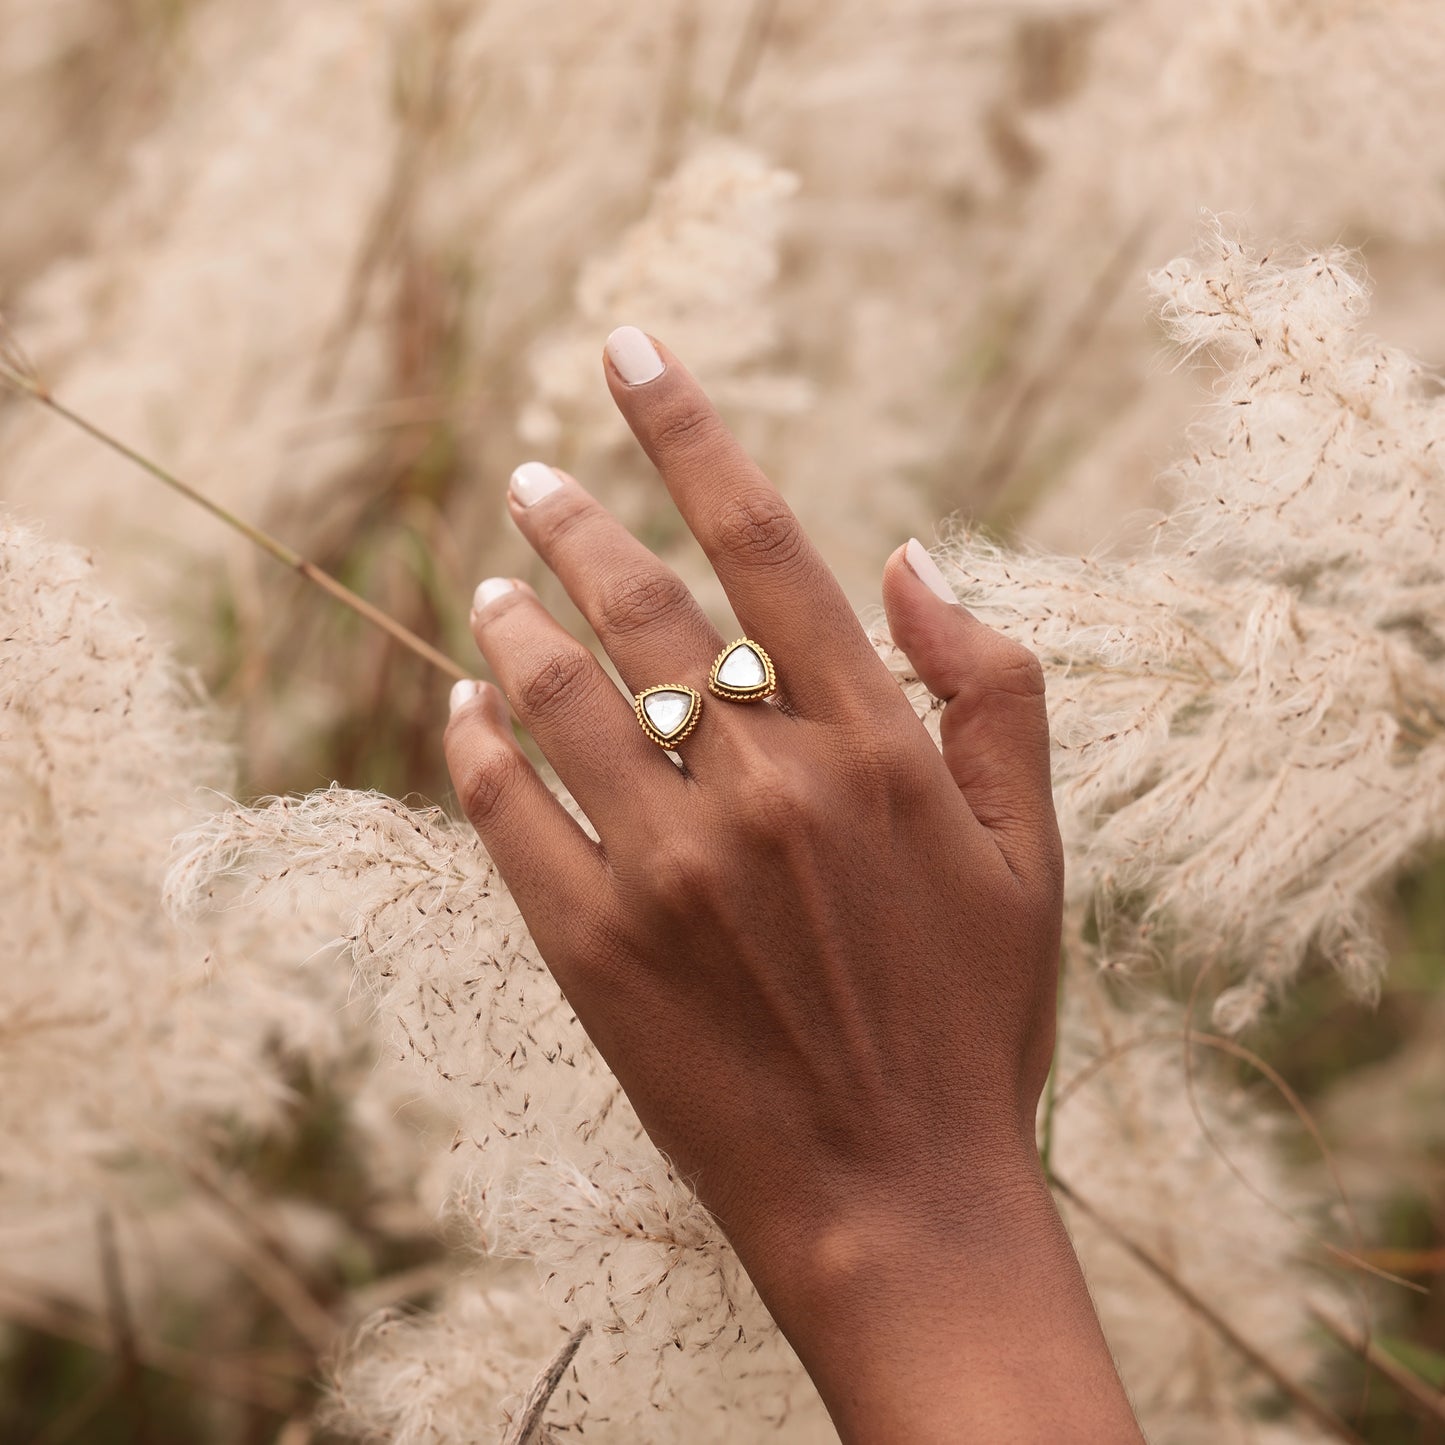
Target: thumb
(995, 728)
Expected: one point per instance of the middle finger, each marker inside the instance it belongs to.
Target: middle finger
(773, 575)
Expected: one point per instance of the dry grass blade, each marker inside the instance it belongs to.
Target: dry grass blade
(1286, 1092)
(1407, 1261)
(128, 1381)
(1422, 1397)
(1016, 422)
(229, 1379)
(16, 367)
(16, 372)
(523, 1430)
(1359, 1259)
(1299, 1395)
(265, 1259)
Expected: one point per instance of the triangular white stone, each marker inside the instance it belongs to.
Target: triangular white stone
(667, 710)
(742, 669)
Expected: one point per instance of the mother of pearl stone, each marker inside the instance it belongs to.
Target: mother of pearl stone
(667, 710)
(742, 668)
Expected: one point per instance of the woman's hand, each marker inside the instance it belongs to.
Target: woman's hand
(821, 956)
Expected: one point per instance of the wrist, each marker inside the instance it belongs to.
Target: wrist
(969, 1317)
(816, 1262)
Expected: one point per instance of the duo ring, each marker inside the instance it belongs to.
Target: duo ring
(741, 672)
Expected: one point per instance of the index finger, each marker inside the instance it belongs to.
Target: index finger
(782, 591)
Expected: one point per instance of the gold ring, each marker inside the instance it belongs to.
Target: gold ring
(667, 712)
(742, 672)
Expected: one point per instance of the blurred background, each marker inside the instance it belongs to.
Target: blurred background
(343, 265)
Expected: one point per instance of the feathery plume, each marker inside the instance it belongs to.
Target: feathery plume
(1249, 715)
(546, 1159)
(699, 270)
(137, 1055)
(1207, 1195)
(548, 1163)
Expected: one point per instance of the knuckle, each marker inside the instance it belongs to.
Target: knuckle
(882, 769)
(488, 780)
(685, 428)
(680, 873)
(1010, 668)
(758, 526)
(635, 602)
(775, 801)
(554, 683)
(873, 757)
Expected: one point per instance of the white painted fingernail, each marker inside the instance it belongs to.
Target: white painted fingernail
(634, 356)
(926, 570)
(463, 692)
(532, 481)
(487, 592)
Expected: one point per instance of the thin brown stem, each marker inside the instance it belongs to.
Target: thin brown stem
(1299, 1395)
(1422, 1397)
(1363, 1259)
(1407, 1261)
(266, 1259)
(528, 1421)
(1287, 1092)
(1014, 421)
(129, 1381)
(27, 384)
(210, 1374)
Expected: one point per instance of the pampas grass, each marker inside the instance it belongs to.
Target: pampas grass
(112, 1032)
(543, 1160)
(143, 1060)
(1250, 704)
(1249, 711)
(548, 1164)
(342, 269)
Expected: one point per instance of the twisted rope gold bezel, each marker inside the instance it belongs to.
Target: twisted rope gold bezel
(671, 740)
(768, 685)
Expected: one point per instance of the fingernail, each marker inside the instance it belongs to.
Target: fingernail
(532, 481)
(463, 692)
(926, 570)
(487, 592)
(634, 356)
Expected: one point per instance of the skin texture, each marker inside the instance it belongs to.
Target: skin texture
(821, 956)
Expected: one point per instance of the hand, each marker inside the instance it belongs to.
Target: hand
(820, 956)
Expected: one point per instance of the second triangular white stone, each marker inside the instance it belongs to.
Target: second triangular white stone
(742, 668)
(667, 710)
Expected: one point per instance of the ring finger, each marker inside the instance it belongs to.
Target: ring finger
(641, 610)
